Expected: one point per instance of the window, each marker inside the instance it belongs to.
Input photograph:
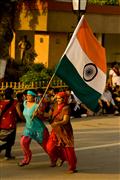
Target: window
(41, 40)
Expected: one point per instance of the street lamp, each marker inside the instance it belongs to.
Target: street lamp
(80, 7)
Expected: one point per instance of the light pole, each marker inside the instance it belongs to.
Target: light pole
(79, 6)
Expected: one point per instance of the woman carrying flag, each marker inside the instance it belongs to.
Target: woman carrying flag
(61, 141)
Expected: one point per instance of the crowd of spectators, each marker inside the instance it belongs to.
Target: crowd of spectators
(109, 102)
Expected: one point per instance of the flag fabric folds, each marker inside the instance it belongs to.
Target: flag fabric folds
(83, 66)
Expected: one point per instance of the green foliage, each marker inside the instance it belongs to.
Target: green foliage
(103, 2)
(36, 73)
(30, 57)
(37, 67)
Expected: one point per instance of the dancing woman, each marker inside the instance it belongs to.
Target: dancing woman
(61, 140)
(34, 128)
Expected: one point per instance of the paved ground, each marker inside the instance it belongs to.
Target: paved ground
(97, 145)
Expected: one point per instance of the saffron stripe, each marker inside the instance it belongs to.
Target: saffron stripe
(91, 46)
(79, 59)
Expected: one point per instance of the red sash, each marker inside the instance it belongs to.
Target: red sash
(9, 118)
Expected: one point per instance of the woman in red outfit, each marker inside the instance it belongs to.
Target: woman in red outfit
(8, 120)
(61, 141)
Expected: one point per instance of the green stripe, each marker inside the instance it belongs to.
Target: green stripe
(66, 71)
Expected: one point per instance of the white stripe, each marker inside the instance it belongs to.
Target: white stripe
(97, 132)
(80, 149)
(75, 51)
(98, 146)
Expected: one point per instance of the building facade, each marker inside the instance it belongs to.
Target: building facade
(51, 24)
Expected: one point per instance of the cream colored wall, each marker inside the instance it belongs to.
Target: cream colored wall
(104, 23)
(112, 45)
(58, 43)
(41, 46)
(61, 21)
(67, 21)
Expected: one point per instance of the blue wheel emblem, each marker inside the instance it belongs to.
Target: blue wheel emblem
(89, 72)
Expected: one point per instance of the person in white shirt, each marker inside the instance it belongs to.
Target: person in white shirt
(80, 109)
(107, 102)
(114, 75)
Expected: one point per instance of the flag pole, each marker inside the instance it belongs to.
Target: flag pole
(46, 89)
(44, 94)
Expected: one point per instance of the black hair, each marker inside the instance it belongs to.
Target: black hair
(40, 90)
(113, 64)
(19, 95)
(8, 93)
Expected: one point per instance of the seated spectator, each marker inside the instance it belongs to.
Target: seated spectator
(50, 97)
(107, 102)
(77, 107)
(72, 104)
(116, 96)
(114, 75)
(45, 100)
(39, 95)
(80, 110)
(51, 94)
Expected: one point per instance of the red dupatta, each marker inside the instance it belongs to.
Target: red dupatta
(60, 106)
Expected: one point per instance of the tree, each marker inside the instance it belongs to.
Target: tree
(104, 2)
(36, 73)
(8, 10)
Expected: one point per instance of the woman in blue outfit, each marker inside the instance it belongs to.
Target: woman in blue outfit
(34, 128)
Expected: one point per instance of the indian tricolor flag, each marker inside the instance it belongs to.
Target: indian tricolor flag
(83, 66)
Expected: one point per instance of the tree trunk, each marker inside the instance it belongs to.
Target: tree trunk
(6, 33)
